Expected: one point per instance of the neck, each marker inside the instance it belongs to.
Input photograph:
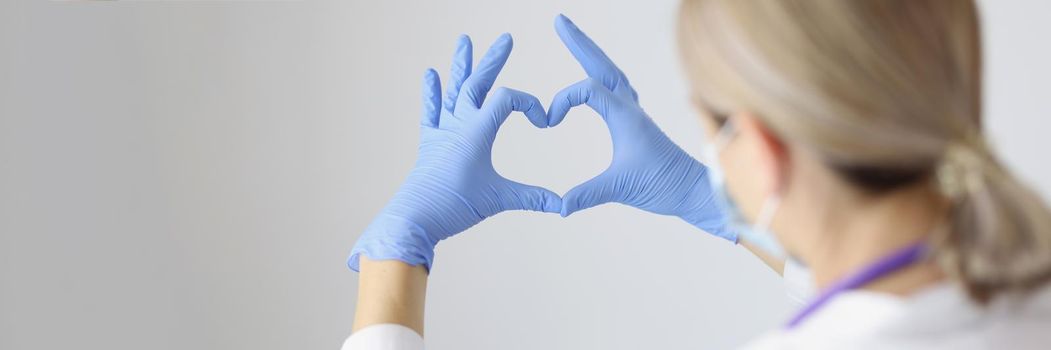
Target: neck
(864, 231)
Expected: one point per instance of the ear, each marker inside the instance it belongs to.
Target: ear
(771, 153)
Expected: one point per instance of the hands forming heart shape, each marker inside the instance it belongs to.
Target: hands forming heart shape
(454, 186)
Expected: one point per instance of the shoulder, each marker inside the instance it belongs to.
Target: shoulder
(937, 318)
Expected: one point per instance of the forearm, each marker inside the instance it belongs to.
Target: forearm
(390, 291)
(778, 265)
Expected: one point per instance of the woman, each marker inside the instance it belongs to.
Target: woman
(852, 129)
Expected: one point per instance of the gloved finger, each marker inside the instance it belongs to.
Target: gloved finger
(461, 69)
(535, 198)
(506, 100)
(432, 99)
(592, 58)
(588, 91)
(481, 80)
(599, 190)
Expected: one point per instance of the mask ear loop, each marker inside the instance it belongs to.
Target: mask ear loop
(760, 235)
(766, 212)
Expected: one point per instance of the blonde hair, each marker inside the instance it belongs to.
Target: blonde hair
(888, 92)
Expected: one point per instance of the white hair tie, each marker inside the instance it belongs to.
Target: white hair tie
(960, 170)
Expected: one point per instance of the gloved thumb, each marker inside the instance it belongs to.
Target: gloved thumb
(535, 198)
(598, 190)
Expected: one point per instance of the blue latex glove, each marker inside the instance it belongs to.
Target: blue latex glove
(648, 170)
(453, 185)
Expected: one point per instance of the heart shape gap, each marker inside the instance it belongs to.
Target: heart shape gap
(557, 158)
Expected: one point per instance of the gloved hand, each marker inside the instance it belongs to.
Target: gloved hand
(648, 170)
(453, 185)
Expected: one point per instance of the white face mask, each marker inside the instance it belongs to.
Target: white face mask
(798, 279)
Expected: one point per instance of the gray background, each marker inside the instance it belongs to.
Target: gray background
(191, 175)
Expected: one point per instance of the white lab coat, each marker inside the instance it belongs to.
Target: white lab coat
(940, 317)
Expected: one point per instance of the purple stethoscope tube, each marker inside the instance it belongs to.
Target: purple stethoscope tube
(895, 261)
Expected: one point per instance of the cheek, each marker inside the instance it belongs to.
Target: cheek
(742, 180)
(804, 206)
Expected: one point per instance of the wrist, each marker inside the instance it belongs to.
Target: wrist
(390, 292)
(393, 238)
(701, 208)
